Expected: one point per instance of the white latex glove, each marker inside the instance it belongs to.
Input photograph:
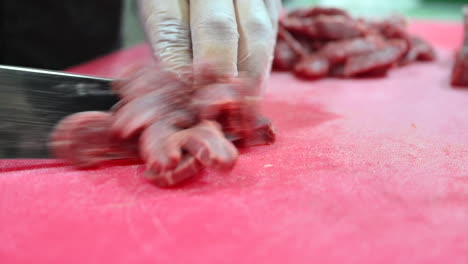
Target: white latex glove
(234, 36)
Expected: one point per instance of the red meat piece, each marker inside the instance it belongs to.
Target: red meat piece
(419, 51)
(316, 11)
(310, 45)
(326, 27)
(262, 134)
(312, 67)
(460, 68)
(294, 45)
(85, 139)
(171, 154)
(337, 71)
(338, 27)
(231, 104)
(395, 28)
(284, 57)
(379, 61)
(340, 51)
(329, 42)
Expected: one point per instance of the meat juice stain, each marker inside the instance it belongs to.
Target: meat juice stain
(293, 116)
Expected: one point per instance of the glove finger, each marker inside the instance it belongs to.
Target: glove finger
(214, 37)
(167, 28)
(147, 80)
(257, 40)
(141, 112)
(273, 7)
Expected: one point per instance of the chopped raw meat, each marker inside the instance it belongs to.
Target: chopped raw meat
(337, 71)
(312, 67)
(325, 27)
(419, 51)
(460, 68)
(230, 103)
(381, 61)
(293, 44)
(316, 11)
(85, 139)
(263, 134)
(340, 51)
(284, 58)
(328, 42)
(338, 27)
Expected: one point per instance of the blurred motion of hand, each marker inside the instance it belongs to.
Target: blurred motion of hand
(232, 36)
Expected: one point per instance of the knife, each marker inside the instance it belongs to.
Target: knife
(32, 101)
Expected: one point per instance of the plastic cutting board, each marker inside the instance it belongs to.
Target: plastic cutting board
(364, 171)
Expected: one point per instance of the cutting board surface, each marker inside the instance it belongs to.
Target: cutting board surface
(364, 171)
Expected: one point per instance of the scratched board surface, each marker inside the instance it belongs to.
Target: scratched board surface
(364, 171)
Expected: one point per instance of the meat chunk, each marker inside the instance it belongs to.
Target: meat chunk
(317, 11)
(85, 139)
(460, 67)
(419, 51)
(284, 57)
(263, 134)
(329, 42)
(379, 61)
(338, 27)
(312, 67)
(326, 27)
(340, 51)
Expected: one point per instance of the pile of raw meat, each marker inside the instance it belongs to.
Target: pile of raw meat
(175, 128)
(460, 68)
(319, 42)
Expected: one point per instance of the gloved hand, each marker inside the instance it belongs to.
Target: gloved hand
(153, 122)
(232, 35)
(162, 121)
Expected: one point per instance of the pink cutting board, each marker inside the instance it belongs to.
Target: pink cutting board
(364, 171)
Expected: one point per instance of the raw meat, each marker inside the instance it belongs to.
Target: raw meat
(377, 61)
(312, 67)
(294, 45)
(419, 51)
(328, 42)
(325, 27)
(284, 58)
(460, 68)
(175, 128)
(85, 139)
(316, 11)
(340, 51)
(263, 134)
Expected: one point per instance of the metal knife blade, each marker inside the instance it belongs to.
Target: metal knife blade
(32, 101)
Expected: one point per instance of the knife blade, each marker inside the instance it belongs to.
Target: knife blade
(32, 101)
